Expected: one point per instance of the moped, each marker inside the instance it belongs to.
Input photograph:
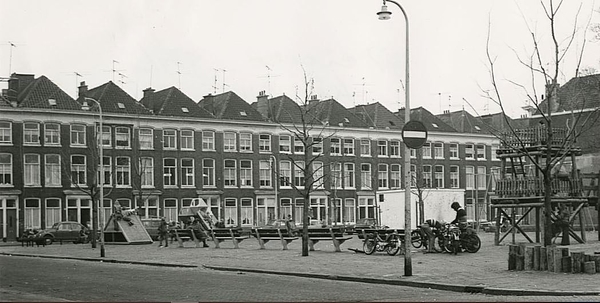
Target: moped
(391, 244)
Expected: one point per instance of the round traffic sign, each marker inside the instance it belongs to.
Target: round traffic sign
(414, 134)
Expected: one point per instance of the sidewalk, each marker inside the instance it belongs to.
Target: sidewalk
(485, 271)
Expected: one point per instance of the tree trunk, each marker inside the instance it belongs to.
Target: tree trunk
(94, 221)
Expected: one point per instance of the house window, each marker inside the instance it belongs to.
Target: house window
(170, 172)
(439, 176)
(298, 209)
(171, 213)
(365, 147)
(426, 150)
(107, 163)
(395, 176)
(229, 173)
(5, 132)
(208, 140)
(438, 149)
(106, 135)
(299, 174)
(286, 207)
(78, 134)
(229, 142)
(382, 175)
(169, 139)
(264, 143)
(317, 148)
(246, 173)
(480, 151)
(78, 170)
(494, 152)
(187, 139)
(187, 172)
(481, 178)
(454, 177)
(349, 209)
(52, 134)
(147, 172)
(52, 211)
(246, 211)
(453, 150)
(349, 147)
(122, 137)
(382, 149)
(246, 142)
(395, 149)
(231, 212)
(349, 175)
(31, 175)
(146, 138)
(123, 171)
(426, 176)
(285, 173)
(365, 176)
(413, 153)
(318, 177)
(33, 213)
(366, 207)
(336, 175)
(6, 170)
(335, 148)
(495, 175)
(265, 173)
(208, 172)
(31, 133)
(284, 144)
(470, 174)
(52, 172)
(298, 146)
(469, 151)
(413, 175)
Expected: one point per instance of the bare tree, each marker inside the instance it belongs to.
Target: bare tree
(547, 64)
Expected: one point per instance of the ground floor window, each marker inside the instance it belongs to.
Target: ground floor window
(79, 209)
(52, 211)
(349, 211)
(231, 214)
(106, 210)
(366, 207)
(148, 208)
(33, 213)
(171, 212)
(336, 211)
(286, 208)
(265, 210)
(318, 208)
(214, 204)
(246, 212)
(298, 210)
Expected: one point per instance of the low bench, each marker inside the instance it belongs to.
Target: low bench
(234, 234)
(266, 234)
(335, 234)
(184, 235)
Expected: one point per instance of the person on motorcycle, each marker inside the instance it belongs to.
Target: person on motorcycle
(461, 216)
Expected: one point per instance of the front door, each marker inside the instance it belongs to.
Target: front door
(8, 224)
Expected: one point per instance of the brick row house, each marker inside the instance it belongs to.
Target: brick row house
(166, 149)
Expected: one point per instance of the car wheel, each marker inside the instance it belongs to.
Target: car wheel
(48, 240)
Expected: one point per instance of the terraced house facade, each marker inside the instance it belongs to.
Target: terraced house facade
(166, 149)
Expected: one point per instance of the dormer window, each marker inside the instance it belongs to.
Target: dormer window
(243, 114)
(477, 127)
(121, 105)
(185, 110)
(435, 125)
(52, 102)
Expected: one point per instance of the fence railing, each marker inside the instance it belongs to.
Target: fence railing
(532, 187)
(534, 136)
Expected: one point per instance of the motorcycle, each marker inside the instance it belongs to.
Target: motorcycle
(455, 240)
(391, 244)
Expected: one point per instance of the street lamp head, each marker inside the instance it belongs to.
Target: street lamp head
(384, 14)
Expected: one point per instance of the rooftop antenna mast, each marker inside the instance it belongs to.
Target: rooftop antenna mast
(12, 45)
(113, 69)
(179, 74)
(77, 75)
(122, 77)
(223, 79)
(215, 85)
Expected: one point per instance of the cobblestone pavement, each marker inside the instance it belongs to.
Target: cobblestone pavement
(486, 268)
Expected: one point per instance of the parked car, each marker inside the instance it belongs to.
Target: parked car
(151, 225)
(363, 223)
(64, 231)
(314, 223)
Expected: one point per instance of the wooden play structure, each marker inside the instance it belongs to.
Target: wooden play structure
(520, 188)
(131, 231)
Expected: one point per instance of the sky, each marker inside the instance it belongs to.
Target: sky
(247, 46)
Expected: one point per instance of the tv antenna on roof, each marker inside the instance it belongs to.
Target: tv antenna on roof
(122, 77)
(179, 74)
(223, 79)
(12, 45)
(77, 75)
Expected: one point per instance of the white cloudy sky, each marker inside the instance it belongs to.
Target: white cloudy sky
(351, 55)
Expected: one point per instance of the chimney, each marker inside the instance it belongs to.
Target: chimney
(83, 88)
(313, 99)
(148, 92)
(263, 103)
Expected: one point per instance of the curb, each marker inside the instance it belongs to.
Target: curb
(430, 285)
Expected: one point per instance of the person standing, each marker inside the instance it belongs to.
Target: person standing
(163, 232)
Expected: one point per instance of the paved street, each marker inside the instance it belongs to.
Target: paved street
(487, 268)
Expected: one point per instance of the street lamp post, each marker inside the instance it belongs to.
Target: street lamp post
(384, 14)
(101, 181)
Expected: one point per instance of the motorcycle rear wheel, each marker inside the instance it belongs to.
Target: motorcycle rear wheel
(393, 248)
(471, 243)
(416, 240)
(369, 246)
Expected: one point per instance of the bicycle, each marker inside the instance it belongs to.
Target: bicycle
(391, 245)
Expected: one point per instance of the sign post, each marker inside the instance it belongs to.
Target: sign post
(414, 135)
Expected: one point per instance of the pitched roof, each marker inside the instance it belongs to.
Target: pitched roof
(41, 92)
(229, 106)
(378, 116)
(281, 109)
(172, 102)
(431, 122)
(115, 100)
(500, 123)
(464, 122)
(576, 94)
(333, 113)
